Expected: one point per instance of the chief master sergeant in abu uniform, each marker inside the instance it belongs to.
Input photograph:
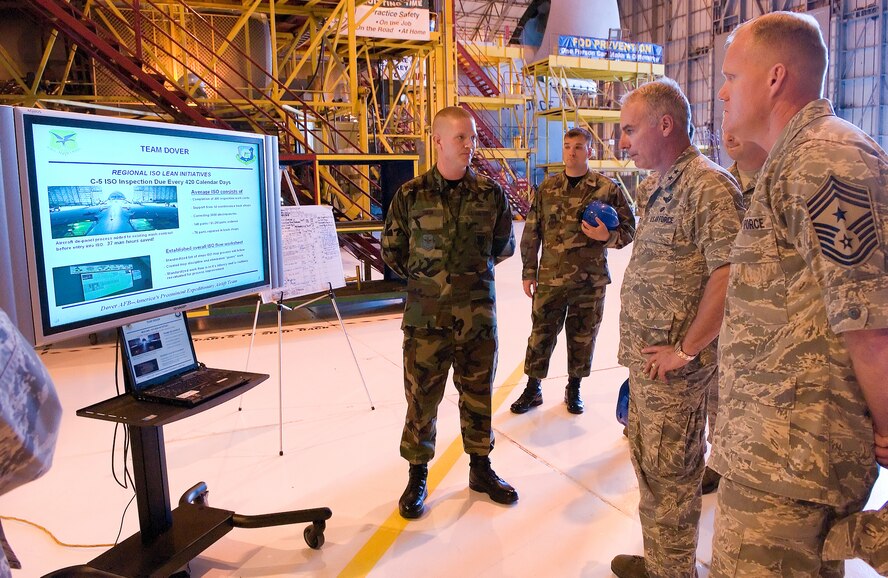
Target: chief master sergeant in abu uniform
(803, 351)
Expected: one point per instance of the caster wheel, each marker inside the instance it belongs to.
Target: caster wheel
(313, 537)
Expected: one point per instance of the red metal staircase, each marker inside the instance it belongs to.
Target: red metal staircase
(488, 168)
(138, 76)
(511, 187)
(486, 136)
(130, 64)
(468, 66)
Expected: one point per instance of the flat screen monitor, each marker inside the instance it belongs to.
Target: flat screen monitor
(123, 219)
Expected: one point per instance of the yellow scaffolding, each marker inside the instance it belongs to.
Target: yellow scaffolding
(585, 92)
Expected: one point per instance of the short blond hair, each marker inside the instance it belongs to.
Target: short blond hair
(663, 97)
(791, 36)
(452, 113)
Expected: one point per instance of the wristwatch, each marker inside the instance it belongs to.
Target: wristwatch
(682, 354)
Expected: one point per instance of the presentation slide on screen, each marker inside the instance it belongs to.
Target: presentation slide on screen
(131, 219)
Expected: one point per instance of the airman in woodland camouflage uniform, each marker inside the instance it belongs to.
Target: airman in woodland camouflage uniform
(672, 303)
(444, 232)
(804, 346)
(29, 417)
(567, 282)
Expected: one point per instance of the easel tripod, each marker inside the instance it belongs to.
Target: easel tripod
(280, 307)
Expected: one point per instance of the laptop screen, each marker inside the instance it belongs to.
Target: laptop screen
(156, 350)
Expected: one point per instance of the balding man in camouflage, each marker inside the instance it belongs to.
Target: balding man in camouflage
(672, 303)
(748, 159)
(567, 281)
(804, 346)
(444, 232)
(29, 418)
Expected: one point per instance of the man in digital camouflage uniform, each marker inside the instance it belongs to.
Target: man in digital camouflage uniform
(748, 158)
(672, 304)
(804, 345)
(444, 232)
(29, 420)
(861, 535)
(567, 281)
(642, 193)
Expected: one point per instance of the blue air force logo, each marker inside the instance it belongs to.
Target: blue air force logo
(843, 219)
(63, 142)
(246, 154)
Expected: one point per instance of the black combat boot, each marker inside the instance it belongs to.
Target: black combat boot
(572, 396)
(711, 478)
(626, 566)
(530, 398)
(412, 502)
(482, 478)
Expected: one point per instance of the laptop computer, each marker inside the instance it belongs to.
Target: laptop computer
(160, 365)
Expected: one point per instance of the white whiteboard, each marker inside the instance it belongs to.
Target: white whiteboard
(310, 250)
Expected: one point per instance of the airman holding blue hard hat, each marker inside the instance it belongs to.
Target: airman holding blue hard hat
(599, 211)
(565, 267)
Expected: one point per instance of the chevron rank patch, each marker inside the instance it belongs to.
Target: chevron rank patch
(843, 219)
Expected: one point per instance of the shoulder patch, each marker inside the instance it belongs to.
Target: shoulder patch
(842, 215)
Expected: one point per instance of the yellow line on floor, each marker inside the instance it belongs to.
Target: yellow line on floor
(381, 540)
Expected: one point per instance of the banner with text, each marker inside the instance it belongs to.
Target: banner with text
(396, 19)
(586, 47)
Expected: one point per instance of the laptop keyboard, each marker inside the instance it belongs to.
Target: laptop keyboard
(192, 382)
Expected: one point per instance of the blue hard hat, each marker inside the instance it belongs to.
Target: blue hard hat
(623, 404)
(605, 213)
